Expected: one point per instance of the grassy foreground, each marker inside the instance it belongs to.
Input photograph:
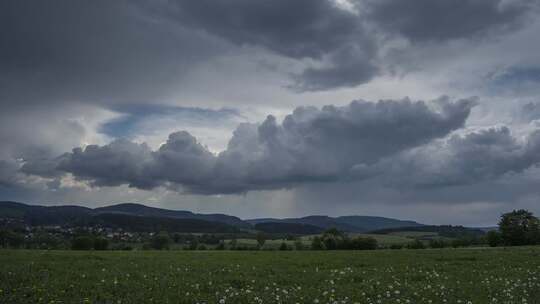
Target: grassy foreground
(383, 276)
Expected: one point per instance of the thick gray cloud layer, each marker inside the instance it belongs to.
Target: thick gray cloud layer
(312, 29)
(475, 157)
(99, 52)
(310, 145)
(437, 21)
(133, 50)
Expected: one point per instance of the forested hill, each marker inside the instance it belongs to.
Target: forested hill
(77, 215)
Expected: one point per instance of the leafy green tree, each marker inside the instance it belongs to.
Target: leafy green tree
(519, 227)
(261, 239)
(283, 246)
(437, 243)
(298, 245)
(194, 244)
(16, 240)
(161, 241)
(232, 244)
(220, 246)
(101, 243)
(44, 240)
(363, 243)
(493, 238)
(202, 247)
(333, 239)
(317, 243)
(82, 243)
(396, 246)
(416, 244)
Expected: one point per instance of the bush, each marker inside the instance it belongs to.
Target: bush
(416, 244)
(298, 245)
(317, 244)
(160, 241)
(261, 239)
(283, 246)
(122, 246)
(193, 245)
(11, 239)
(82, 243)
(220, 246)
(396, 246)
(101, 243)
(437, 243)
(363, 243)
(201, 247)
(494, 238)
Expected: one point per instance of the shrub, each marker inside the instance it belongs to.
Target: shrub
(220, 246)
(494, 238)
(193, 245)
(437, 243)
(101, 243)
(82, 243)
(363, 243)
(317, 244)
(416, 244)
(396, 246)
(161, 241)
(261, 239)
(201, 247)
(11, 239)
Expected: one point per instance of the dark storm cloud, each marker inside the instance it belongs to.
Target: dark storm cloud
(98, 51)
(472, 158)
(8, 173)
(315, 29)
(299, 29)
(310, 145)
(109, 51)
(442, 20)
(530, 111)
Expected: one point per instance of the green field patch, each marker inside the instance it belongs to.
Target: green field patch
(510, 275)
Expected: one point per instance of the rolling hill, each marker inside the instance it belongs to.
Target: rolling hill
(142, 210)
(131, 217)
(77, 215)
(352, 223)
(288, 228)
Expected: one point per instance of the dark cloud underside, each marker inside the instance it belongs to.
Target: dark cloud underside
(310, 145)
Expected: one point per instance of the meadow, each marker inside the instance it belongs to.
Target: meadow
(501, 275)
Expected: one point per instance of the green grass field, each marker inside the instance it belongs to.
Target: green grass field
(382, 276)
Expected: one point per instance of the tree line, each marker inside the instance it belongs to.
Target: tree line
(516, 228)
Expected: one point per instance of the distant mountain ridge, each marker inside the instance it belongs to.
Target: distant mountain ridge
(77, 215)
(351, 223)
(143, 210)
(126, 216)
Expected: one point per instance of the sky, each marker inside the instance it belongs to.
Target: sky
(423, 110)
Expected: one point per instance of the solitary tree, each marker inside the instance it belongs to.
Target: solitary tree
(519, 227)
(261, 239)
(317, 243)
